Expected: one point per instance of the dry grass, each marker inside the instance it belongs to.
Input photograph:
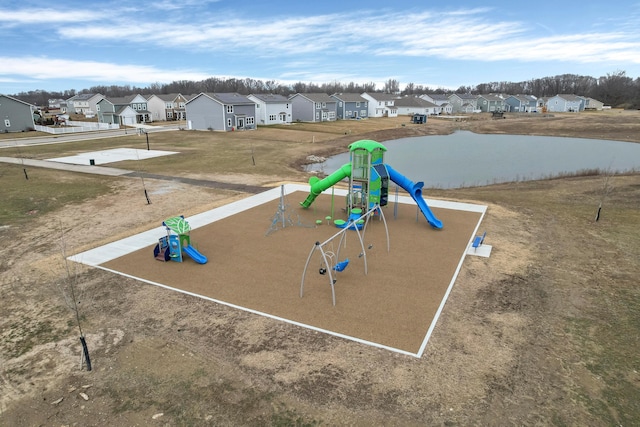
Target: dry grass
(543, 332)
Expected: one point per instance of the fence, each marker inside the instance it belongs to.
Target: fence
(75, 127)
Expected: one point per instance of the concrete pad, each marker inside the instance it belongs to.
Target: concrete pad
(111, 156)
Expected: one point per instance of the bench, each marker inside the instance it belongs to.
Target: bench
(478, 241)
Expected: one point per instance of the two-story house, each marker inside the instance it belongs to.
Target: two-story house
(221, 112)
(565, 103)
(109, 113)
(381, 104)
(167, 106)
(313, 107)
(463, 102)
(351, 106)
(520, 104)
(84, 103)
(16, 115)
(489, 103)
(271, 108)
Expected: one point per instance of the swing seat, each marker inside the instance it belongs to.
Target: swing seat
(341, 265)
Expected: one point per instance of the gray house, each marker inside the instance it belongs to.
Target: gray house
(489, 103)
(565, 103)
(313, 107)
(17, 116)
(351, 106)
(521, 104)
(463, 102)
(221, 111)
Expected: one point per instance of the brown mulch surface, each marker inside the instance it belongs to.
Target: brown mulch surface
(393, 305)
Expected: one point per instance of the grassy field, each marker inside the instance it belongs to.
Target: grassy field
(545, 332)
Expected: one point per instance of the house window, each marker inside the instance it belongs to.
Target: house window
(7, 123)
(97, 108)
(324, 105)
(169, 114)
(181, 105)
(317, 115)
(229, 108)
(272, 117)
(257, 105)
(229, 123)
(363, 113)
(347, 113)
(357, 105)
(318, 105)
(167, 105)
(250, 120)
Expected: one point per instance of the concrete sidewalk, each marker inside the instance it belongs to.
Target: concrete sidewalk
(96, 170)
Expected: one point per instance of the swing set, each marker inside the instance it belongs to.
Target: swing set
(330, 264)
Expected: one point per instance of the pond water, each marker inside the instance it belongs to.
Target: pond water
(466, 159)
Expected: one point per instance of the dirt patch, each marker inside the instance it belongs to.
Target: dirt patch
(542, 332)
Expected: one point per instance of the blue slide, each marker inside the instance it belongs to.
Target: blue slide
(194, 254)
(415, 190)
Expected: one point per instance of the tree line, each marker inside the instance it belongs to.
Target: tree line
(615, 89)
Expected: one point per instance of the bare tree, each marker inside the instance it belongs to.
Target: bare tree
(72, 292)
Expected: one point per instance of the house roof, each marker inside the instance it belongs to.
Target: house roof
(379, 96)
(122, 100)
(349, 97)
(17, 100)
(270, 98)
(230, 98)
(490, 97)
(164, 96)
(413, 101)
(316, 97)
(438, 96)
(570, 97)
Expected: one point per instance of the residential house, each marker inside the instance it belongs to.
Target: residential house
(436, 98)
(463, 102)
(565, 103)
(489, 103)
(17, 115)
(272, 109)
(109, 112)
(520, 104)
(84, 103)
(541, 104)
(381, 104)
(167, 106)
(136, 102)
(410, 105)
(313, 107)
(351, 106)
(226, 111)
(57, 104)
(593, 104)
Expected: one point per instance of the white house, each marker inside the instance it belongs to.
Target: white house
(272, 109)
(381, 104)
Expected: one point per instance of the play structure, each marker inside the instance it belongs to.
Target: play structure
(368, 192)
(369, 180)
(330, 263)
(177, 242)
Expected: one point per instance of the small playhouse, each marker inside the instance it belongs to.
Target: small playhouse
(177, 242)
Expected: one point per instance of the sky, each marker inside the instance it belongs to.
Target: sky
(57, 46)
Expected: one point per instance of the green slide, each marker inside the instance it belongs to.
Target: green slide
(319, 185)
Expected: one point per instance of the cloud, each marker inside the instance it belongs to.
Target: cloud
(42, 68)
(46, 16)
(461, 35)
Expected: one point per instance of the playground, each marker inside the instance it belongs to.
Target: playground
(289, 254)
